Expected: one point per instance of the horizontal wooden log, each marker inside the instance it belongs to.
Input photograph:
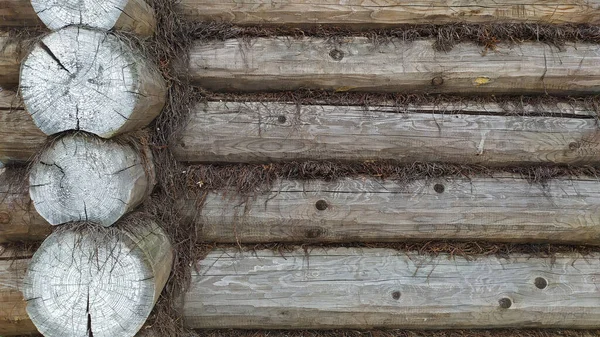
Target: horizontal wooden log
(360, 14)
(460, 133)
(379, 288)
(13, 315)
(358, 64)
(11, 53)
(19, 220)
(18, 13)
(129, 15)
(20, 138)
(503, 208)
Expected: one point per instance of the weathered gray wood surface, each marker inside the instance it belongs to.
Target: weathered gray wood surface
(13, 315)
(85, 178)
(90, 80)
(11, 53)
(379, 288)
(19, 220)
(377, 13)
(20, 138)
(265, 132)
(129, 15)
(97, 282)
(500, 208)
(357, 64)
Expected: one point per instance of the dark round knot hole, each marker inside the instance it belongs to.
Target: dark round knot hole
(336, 54)
(505, 303)
(540, 283)
(4, 218)
(573, 146)
(321, 205)
(312, 233)
(437, 81)
(281, 119)
(396, 295)
(439, 188)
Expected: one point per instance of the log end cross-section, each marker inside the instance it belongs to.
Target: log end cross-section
(93, 281)
(85, 178)
(131, 15)
(90, 80)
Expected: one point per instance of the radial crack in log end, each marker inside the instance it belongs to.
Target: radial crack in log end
(130, 15)
(90, 80)
(86, 280)
(85, 178)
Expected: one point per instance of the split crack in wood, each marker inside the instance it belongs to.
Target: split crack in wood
(97, 282)
(99, 84)
(85, 178)
(58, 14)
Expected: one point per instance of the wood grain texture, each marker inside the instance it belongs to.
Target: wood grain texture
(134, 16)
(137, 17)
(97, 283)
(379, 288)
(89, 80)
(81, 177)
(360, 14)
(19, 220)
(266, 132)
(356, 64)
(18, 13)
(504, 208)
(11, 53)
(20, 138)
(13, 315)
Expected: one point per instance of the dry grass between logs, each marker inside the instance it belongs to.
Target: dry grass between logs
(170, 47)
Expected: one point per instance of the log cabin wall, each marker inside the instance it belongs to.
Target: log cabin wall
(495, 146)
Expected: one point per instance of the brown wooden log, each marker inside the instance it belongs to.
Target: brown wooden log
(130, 15)
(499, 208)
(464, 133)
(359, 64)
(361, 14)
(20, 138)
(11, 54)
(13, 315)
(18, 13)
(19, 220)
(380, 288)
